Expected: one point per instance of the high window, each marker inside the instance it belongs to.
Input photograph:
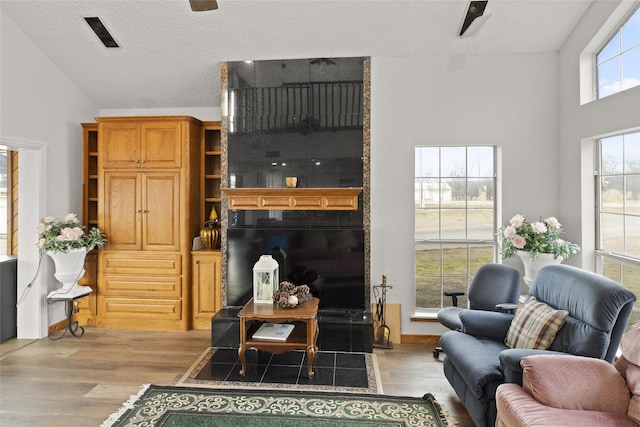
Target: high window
(618, 195)
(455, 220)
(618, 62)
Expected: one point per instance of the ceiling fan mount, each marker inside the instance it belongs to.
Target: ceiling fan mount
(203, 5)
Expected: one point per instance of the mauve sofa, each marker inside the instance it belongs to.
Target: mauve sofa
(567, 391)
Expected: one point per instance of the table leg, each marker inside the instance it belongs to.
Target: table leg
(241, 351)
(312, 333)
(311, 354)
(72, 326)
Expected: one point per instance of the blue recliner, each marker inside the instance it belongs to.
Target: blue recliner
(494, 287)
(477, 359)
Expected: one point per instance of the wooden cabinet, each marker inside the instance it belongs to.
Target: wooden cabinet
(206, 287)
(211, 169)
(133, 144)
(143, 210)
(149, 206)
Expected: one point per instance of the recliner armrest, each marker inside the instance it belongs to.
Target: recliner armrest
(510, 362)
(486, 324)
(454, 296)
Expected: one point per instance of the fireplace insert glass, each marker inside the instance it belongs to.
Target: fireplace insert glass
(329, 261)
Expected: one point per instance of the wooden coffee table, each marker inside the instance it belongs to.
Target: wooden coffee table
(303, 336)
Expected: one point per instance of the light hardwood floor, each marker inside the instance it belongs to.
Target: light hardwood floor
(81, 381)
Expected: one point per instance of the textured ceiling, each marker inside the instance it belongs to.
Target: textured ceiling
(170, 56)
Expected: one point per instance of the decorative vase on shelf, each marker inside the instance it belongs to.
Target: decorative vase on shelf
(532, 266)
(69, 269)
(210, 235)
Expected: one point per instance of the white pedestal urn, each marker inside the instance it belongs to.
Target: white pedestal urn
(531, 266)
(69, 269)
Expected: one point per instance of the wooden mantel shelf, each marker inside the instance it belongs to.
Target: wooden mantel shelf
(338, 199)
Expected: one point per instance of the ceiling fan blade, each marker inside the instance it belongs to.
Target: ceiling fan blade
(203, 5)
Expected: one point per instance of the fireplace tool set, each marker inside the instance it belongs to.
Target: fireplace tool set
(382, 332)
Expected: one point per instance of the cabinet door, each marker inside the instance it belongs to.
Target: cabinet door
(122, 213)
(161, 147)
(119, 144)
(161, 211)
(206, 287)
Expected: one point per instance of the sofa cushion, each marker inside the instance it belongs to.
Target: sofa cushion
(535, 326)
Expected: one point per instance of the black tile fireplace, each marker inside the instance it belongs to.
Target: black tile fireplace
(303, 118)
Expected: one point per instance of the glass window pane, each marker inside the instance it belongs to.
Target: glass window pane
(631, 277)
(632, 152)
(612, 155)
(611, 49)
(632, 236)
(609, 77)
(428, 292)
(632, 199)
(612, 228)
(427, 224)
(427, 193)
(427, 162)
(480, 224)
(454, 259)
(472, 190)
(453, 161)
(453, 225)
(428, 260)
(480, 255)
(612, 194)
(611, 269)
(453, 191)
(480, 162)
(631, 68)
(480, 193)
(630, 32)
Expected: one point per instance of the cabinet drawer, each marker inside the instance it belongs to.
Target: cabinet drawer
(142, 286)
(141, 263)
(138, 308)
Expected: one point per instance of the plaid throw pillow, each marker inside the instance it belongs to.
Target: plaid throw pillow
(535, 326)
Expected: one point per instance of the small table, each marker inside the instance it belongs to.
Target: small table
(76, 292)
(303, 336)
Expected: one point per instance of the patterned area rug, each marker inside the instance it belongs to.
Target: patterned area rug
(211, 371)
(177, 406)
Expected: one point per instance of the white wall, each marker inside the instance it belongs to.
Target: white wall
(580, 125)
(41, 111)
(505, 100)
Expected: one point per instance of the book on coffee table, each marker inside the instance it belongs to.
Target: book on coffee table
(273, 331)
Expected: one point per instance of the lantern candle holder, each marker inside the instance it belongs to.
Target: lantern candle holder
(265, 280)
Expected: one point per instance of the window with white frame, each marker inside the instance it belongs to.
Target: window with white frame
(618, 62)
(455, 219)
(618, 219)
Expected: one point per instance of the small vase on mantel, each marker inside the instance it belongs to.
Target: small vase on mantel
(532, 266)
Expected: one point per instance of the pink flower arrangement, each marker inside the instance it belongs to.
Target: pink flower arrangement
(536, 238)
(61, 236)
